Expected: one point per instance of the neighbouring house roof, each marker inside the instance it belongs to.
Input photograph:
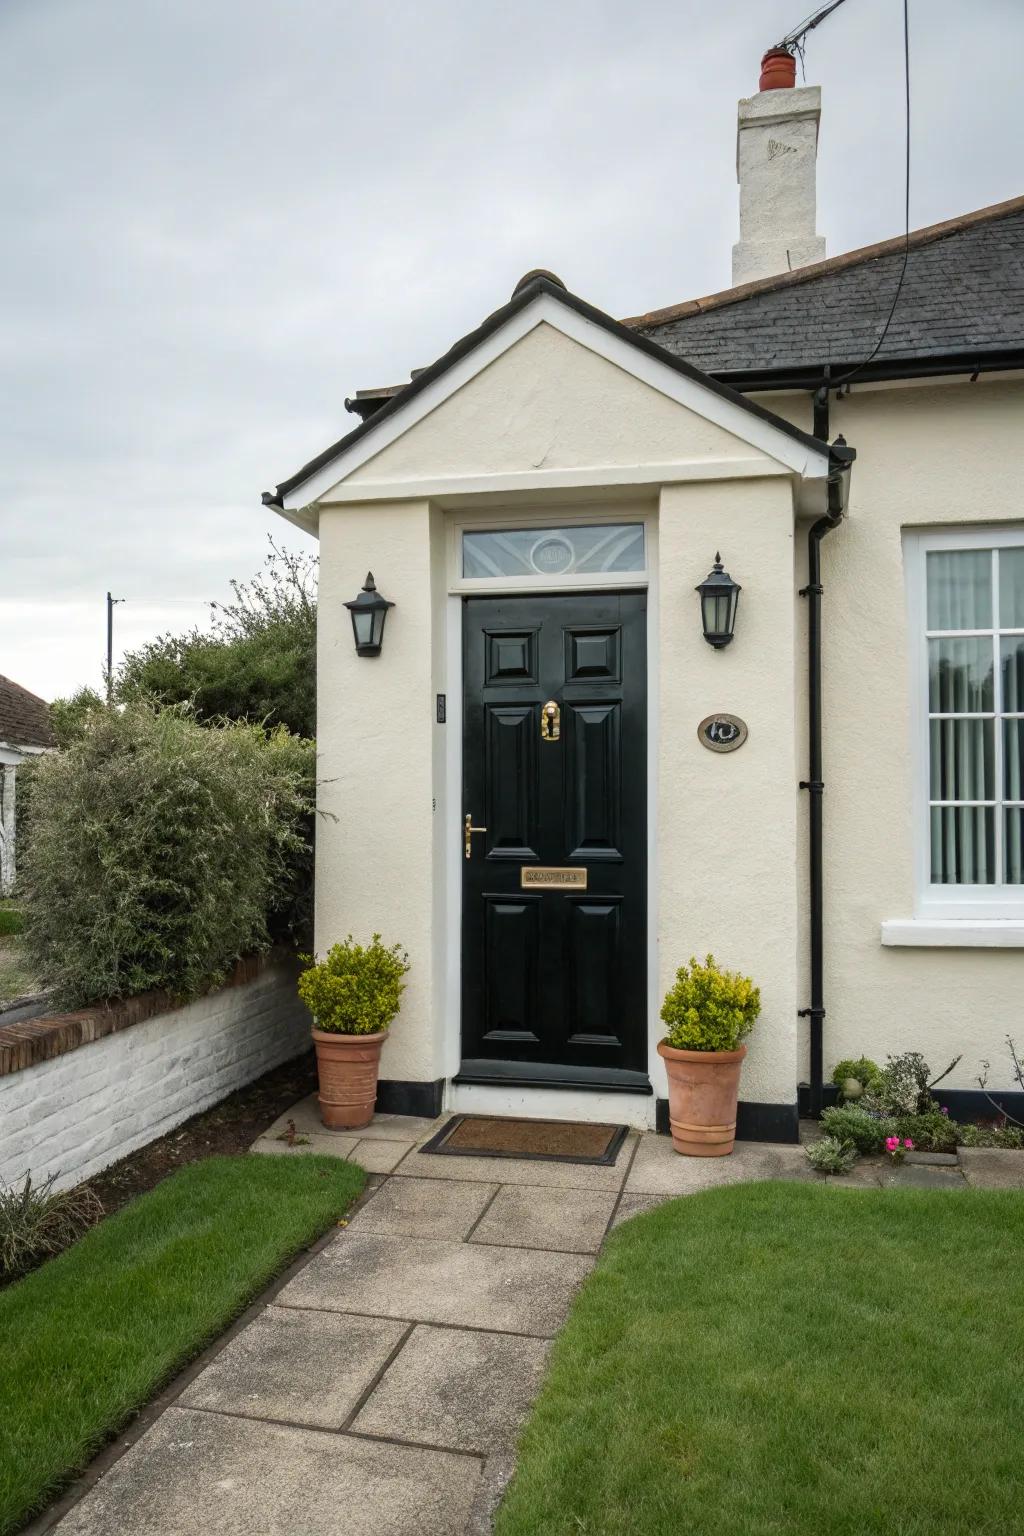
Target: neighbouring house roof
(24, 717)
(526, 293)
(962, 301)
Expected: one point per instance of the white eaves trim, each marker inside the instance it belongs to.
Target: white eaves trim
(799, 460)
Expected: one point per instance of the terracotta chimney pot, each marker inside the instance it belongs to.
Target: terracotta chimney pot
(778, 71)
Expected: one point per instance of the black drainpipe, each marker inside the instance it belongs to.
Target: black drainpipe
(814, 784)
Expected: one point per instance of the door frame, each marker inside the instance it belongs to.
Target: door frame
(449, 811)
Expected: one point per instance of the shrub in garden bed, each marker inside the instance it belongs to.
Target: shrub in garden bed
(1009, 1137)
(831, 1156)
(159, 851)
(856, 1127)
(37, 1221)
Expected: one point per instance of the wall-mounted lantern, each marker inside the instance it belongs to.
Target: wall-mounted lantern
(719, 595)
(368, 610)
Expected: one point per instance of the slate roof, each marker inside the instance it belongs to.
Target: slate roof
(962, 298)
(24, 717)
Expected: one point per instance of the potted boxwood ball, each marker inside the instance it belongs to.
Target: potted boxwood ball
(353, 995)
(708, 1011)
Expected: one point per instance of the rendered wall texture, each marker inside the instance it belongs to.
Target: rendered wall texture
(928, 455)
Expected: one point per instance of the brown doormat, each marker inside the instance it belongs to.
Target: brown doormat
(549, 1141)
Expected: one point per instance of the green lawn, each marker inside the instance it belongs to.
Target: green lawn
(93, 1334)
(790, 1359)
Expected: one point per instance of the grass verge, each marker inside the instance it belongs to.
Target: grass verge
(782, 1360)
(90, 1337)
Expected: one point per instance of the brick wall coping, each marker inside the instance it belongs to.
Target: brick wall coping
(29, 1041)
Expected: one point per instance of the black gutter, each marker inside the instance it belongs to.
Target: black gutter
(840, 458)
(959, 363)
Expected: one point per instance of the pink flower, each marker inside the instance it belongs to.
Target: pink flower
(943, 1110)
(891, 1143)
(908, 1144)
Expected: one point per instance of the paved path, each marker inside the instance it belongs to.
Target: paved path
(381, 1389)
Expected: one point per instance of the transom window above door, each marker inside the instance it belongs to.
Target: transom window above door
(969, 613)
(575, 550)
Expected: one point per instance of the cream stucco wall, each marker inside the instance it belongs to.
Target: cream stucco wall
(929, 454)
(375, 837)
(549, 402)
(726, 846)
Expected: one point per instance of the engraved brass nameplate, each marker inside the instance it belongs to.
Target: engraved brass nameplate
(535, 875)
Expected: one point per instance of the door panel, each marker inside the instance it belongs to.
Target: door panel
(555, 978)
(594, 771)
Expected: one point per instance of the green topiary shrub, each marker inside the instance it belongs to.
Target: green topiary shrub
(709, 1009)
(855, 1127)
(160, 851)
(831, 1156)
(357, 989)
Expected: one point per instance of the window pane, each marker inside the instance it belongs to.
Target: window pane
(963, 845)
(1013, 674)
(962, 760)
(1013, 843)
(1013, 759)
(960, 675)
(554, 551)
(960, 589)
(1011, 589)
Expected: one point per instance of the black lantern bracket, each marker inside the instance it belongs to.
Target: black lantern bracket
(719, 597)
(368, 610)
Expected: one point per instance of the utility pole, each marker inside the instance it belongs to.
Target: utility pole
(110, 644)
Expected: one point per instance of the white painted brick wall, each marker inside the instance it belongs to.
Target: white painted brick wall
(76, 1114)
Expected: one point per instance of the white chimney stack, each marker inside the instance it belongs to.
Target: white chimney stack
(776, 154)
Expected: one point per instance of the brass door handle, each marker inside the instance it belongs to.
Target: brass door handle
(550, 721)
(470, 829)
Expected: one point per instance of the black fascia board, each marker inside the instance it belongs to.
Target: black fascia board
(494, 322)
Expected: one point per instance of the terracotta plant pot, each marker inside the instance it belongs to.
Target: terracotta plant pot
(347, 1066)
(778, 71)
(703, 1087)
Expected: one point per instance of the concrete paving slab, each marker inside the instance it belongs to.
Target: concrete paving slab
(238, 1477)
(512, 1170)
(992, 1168)
(525, 1216)
(509, 1290)
(423, 1208)
(918, 1176)
(658, 1169)
(305, 1367)
(635, 1205)
(459, 1390)
(378, 1156)
(306, 1114)
(327, 1145)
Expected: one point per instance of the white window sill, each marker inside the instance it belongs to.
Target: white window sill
(955, 933)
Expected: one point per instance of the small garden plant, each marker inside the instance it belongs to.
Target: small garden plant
(357, 989)
(830, 1155)
(708, 1009)
(37, 1221)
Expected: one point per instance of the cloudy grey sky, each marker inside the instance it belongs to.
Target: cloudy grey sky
(222, 216)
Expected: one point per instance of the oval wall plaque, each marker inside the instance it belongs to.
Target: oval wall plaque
(722, 733)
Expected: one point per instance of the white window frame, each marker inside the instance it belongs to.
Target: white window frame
(933, 901)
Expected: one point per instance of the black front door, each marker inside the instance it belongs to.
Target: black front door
(554, 890)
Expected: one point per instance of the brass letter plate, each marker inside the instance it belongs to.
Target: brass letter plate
(535, 875)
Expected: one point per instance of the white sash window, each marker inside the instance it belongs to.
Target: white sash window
(966, 609)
